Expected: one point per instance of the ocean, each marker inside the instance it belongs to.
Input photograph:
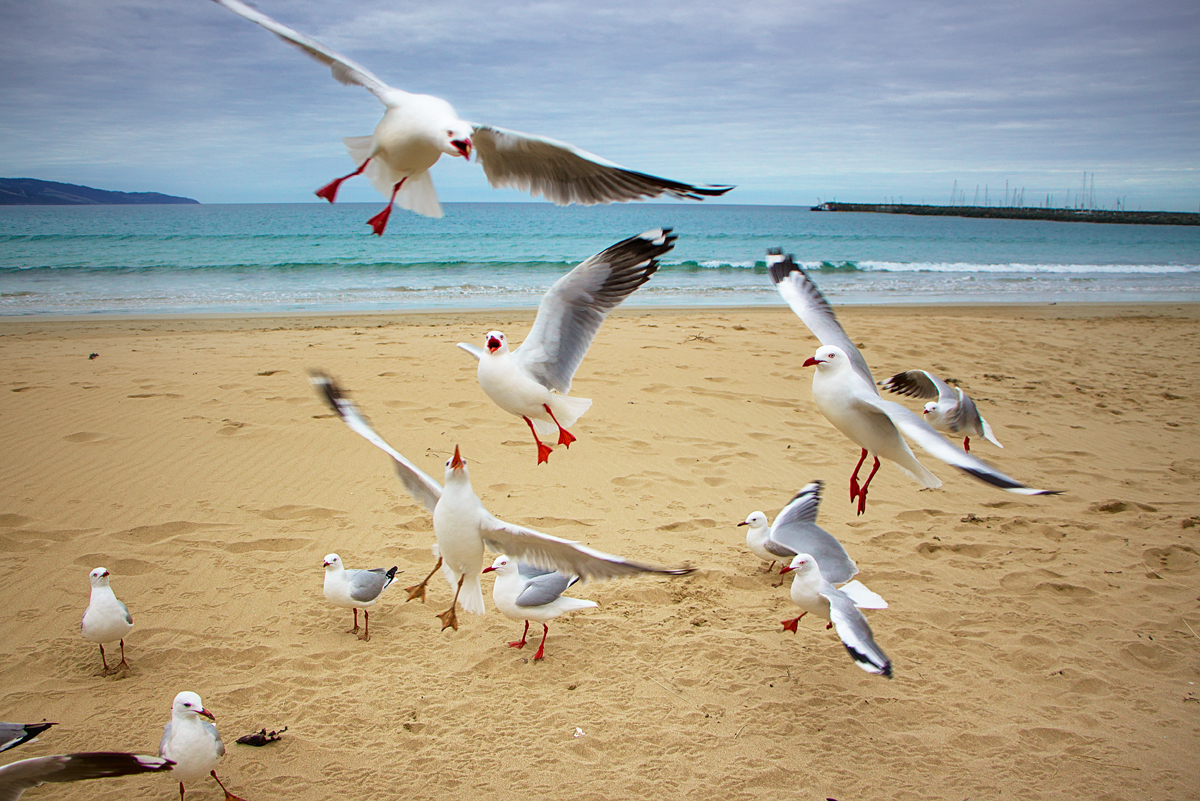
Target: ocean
(314, 257)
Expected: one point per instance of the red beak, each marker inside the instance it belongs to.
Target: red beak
(206, 714)
(786, 569)
(463, 146)
(743, 523)
(457, 463)
(812, 361)
(493, 344)
(488, 569)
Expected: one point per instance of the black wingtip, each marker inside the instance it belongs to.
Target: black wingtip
(781, 267)
(326, 387)
(391, 574)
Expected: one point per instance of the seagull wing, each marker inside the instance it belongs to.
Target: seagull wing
(563, 555)
(545, 588)
(573, 309)
(17, 777)
(564, 174)
(813, 310)
(920, 384)
(796, 530)
(855, 634)
(417, 482)
(366, 585)
(475, 351)
(344, 70)
(14, 734)
(933, 443)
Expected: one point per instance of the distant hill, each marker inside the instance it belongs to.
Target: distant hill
(32, 192)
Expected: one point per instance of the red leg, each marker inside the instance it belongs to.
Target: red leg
(542, 647)
(967, 444)
(544, 450)
(102, 659)
(862, 493)
(181, 791)
(521, 643)
(565, 437)
(366, 635)
(228, 795)
(854, 476)
(829, 625)
(380, 220)
(329, 191)
(355, 629)
(790, 625)
(418, 590)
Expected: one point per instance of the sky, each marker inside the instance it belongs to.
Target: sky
(794, 101)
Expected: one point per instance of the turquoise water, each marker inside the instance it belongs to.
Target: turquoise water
(322, 258)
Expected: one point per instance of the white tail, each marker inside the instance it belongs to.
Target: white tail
(418, 193)
(568, 409)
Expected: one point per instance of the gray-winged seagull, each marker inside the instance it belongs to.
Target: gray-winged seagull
(463, 527)
(417, 129)
(533, 380)
(355, 589)
(794, 531)
(106, 619)
(844, 391)
(193, 744)
(525, 592)
(953, 412)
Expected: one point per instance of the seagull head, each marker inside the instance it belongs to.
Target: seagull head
(99, 577)
(456, 463)
(499, 565)
(495, 341)
(931, 407)
(827, 355)
(188, 704)
(458, 141)
(333, 562)
(755, 520)
(801, 562)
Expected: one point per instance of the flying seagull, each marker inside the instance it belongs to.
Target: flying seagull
(463, 526)
(845, 393)
(953, 412)
(796, 531)
(417, 129)
(533, 380)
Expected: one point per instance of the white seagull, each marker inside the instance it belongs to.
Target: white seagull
(844, 391)
(355, 589)
(463, 527)
(525, 592)
(953, 412)
(417, 129)
(533, 380)
(796, 531)
(193, 744)
(812, 593)
(14, 734)
(106, 619)
(17, 777)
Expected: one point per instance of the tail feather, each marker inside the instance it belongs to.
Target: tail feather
(418, 193)
(988, 435)
(568, 408)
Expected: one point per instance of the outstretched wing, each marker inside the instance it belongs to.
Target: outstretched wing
(565, 556)
(14, 734)
(813, 310)
(564, 174)
(417, 482)
(796, 530)
(855, 634)
(344, 70)
(474, 350)
(18, 777)
(574, 308)
(920, 384)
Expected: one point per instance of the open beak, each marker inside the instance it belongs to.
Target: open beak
(105, 574)
(327, 564)
(457, 463)
(493, 344)
(463, 146)
(204, 713)
(812, 361)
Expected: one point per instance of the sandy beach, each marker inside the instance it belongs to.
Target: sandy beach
(1043, 647)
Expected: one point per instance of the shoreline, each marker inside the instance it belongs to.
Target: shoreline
(1021, 213)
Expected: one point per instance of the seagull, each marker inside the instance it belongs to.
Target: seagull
(106, 619)
(845, 393)
(525, 592)
(17, 777)
(417, 129)
(813, 593)
(796, 531)
(194, 745)
(355, 589)
(953, 412)
(532, 381)
(463, 527)
(14, 734)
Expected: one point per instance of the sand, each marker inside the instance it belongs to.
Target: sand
(1043, 647)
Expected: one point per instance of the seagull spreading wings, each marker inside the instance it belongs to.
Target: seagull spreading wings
(417, 129)
(525, 592)
(812, 593)
(463, 527)
(794, 531)
(533, 380)
(953, 411)
(17, 777)
(844, 391)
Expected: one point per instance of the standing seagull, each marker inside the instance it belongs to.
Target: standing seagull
(796, 531)
(17, 777)
(464, 527)
(845, 393)
(194, 745)
(525, 592)
(532, 381)
(417, 129)
(953, 411)
(355, 589)
(812, 593)
(14, 734)
(106, 619)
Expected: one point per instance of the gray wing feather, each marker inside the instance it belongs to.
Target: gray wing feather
(813, 310)
(366, 585)
(128, 617)
(563, 555)
(795, 530)
(544, 589)
(573, 309)
(14, 734)
(920, 384)
(417, 482)
(162, 744)
(855, 633)
(564, 174)
(216, 735)
(17, 777)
